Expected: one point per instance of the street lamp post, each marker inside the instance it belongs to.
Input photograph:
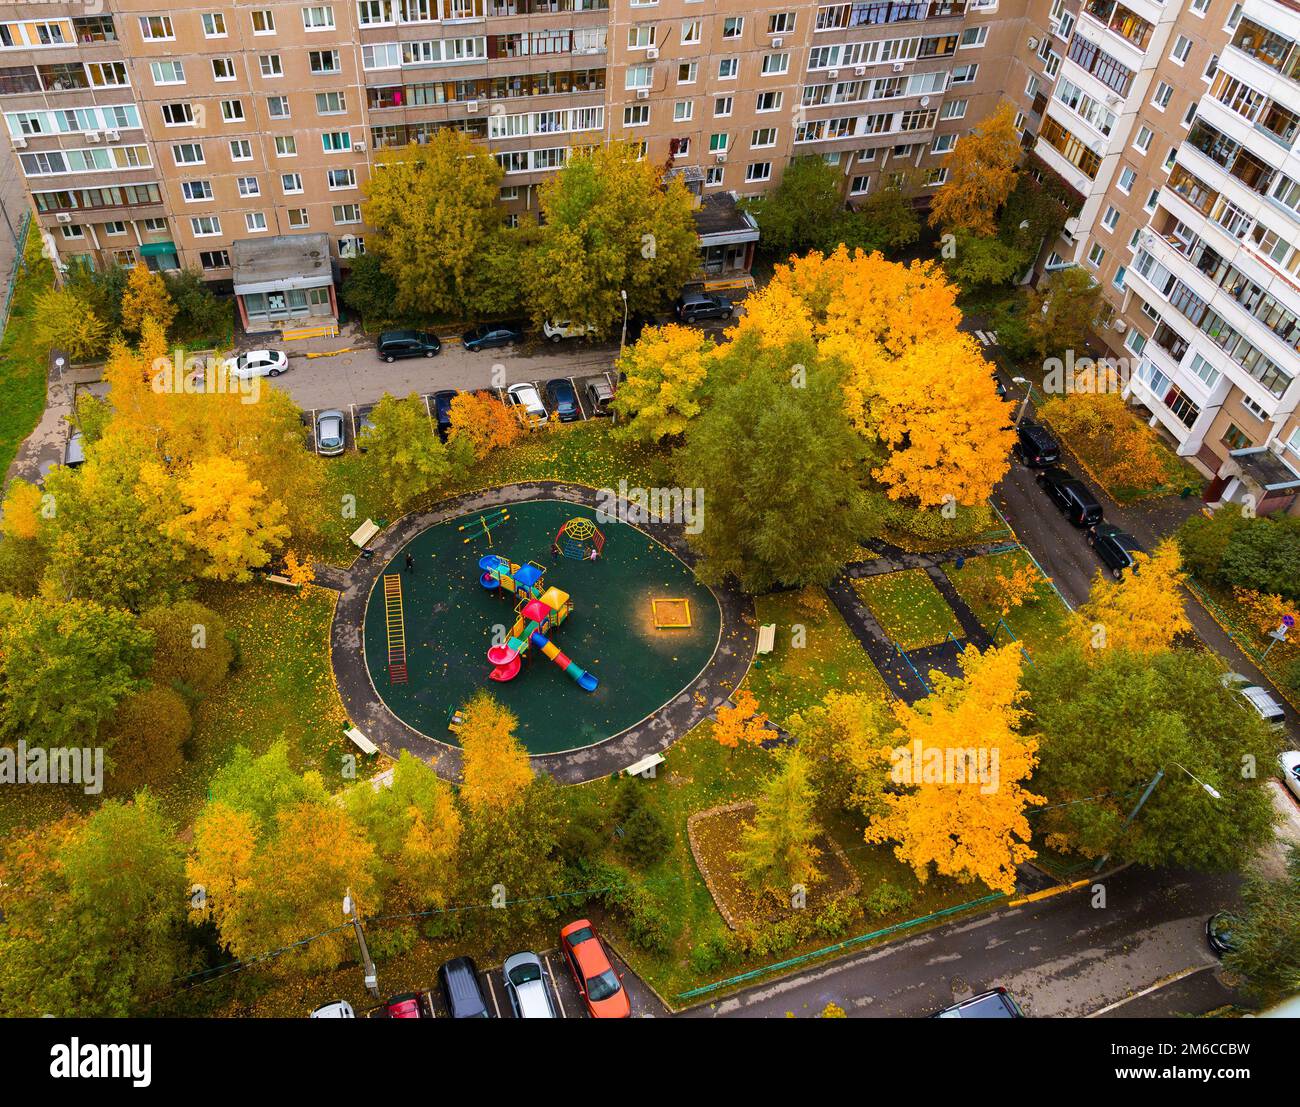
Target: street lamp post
(1029, 391)
(622, 340)
(371, 977)
(1210, 790)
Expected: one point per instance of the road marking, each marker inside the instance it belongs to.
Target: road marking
(1147, 991)
(555, 990)
(577, 398)
(493, 993)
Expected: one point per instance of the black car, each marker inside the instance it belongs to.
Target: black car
(1115, 547)
(1220, 932)
(1071, 495)
(696, 305)
(563, 399)
(993, 1004)
(487, 335)
(395, 344)
(442, 410)
(461, 990)
(1034, 446)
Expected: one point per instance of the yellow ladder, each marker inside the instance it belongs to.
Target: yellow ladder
(396, 628)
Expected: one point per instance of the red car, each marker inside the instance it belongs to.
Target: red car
(404, 1006)
(599, 985)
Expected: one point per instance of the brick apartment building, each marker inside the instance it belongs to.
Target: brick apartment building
(172, 133)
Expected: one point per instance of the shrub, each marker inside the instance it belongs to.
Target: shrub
(886, 898)
(146, 737)
(647, 838)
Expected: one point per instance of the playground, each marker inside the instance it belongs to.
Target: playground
(513, 601)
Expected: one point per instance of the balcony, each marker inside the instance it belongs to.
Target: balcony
(1118, 19)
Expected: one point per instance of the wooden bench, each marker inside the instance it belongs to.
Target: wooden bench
(364, 533)
(364, 744)
(766, 638)
(645, 765)
(276, 578)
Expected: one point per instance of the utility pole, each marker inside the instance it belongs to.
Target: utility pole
(372, 977)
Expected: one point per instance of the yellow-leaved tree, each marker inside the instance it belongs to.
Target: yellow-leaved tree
(484, 422)
(981, 175)
(146, 297)
(740, 723)
(666, 370)
(495, 769)
(1143, 612)
(963, 767)
(228, 519)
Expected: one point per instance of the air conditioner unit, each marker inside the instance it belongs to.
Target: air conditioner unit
(62, 217)
(92, 136)
(652, 54)
(720, 156)
(1120, 326)
(833, 73)
(1033, 43)
(20, 143)
(358, 147)
(777, 42)
(472, 105)
(859, 70)
(897, 67)
(112, 136)
(643, 94)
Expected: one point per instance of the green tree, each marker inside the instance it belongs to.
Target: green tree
(886, 221)
(92, 416)
(192, 651)
(1063, 311)
(200, 316)
(368, 289)
(983, 260)
(65, 321)
(102, 289)
(403, 448)
(1203, 541)
(613, 223)
(147, 733)
(1111, 720)
(776, 850)
(842, 738)
(804, 212)
(1268, 933)
(93, 914)
(434, 209)
(64, 665)
(790, 510)
(263, 785)
(1265, 556)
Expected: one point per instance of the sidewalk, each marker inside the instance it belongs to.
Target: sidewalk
(43, 448)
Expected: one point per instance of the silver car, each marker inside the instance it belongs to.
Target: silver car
(526, 986)
(329, 433)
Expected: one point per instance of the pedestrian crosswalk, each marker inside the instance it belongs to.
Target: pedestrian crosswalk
(987, 338)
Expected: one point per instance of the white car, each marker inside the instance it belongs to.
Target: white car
(561, 330)
(527, 397)
(1289, 765)
(526, 986)
(258, 363)
(341, 1009)
(1259, 699)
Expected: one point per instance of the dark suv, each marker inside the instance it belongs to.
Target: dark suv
(461, 990)
(1034, 446)
(696, 305)
(395, 344)
(1071, 495)
(1115, 547)
(996, 1003)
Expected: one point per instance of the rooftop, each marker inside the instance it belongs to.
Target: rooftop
(282, 262)
(719, 220)
(1262, 465)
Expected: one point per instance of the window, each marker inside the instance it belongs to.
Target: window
(178, 115)
(692, 32)
(775, 64)
(943, 143)
(1203, 371)
(187, 153)
(255, 221)
(1255, 409)
(932, 179)
(73, 230)
(713, 176)
(728, 68)
(859, 185)
(973, 37)
(286, 146)
(277, 107)
(964, 74)
(1111, 218)
(341, 178)
(115, 226)
(1096, 255)
(270, 65)
(298, 218)
(780, 23)
(318, 18)
(291, 183)
(718, 142)
(196, 191)
(732, 26)
(641, 36)
(336, 142)
(758, 171)
(232, 111)
(223, 69)
(722, 107)
(1235, 438)
(687, 72)
(1164, 93)
(1152, 200)
(248, 186)
(1211, 68)
(1118, 279)
(155, 226)
(156, 28)
(167, 72)
(683, 110)
(1182, 47)
(1127, 178)
(324, 61)
(954, 109)
(638, 76)
(768, 101)
(1142, 141)
(205, 226)
(372, 13)
(764, 136)
(347, 213)
(636, 115)
(263, 22)
(214, 25)
(682, 147)
(241, 150)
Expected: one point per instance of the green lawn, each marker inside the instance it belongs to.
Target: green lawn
(1039, 623)
(22, 361)
(793, 678)
(909, 608)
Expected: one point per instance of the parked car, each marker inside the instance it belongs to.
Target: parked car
(1071, 495)
(74, 450)
(1258, 699)
(487, 335)
(1288, 763)
(404, 1006)
(996, 1003)
(1115, 547)
(599, 985)
(442, 410)
(599, 393)
(460, 988)
(257, 363)
(525, 979)
(564, 400)
(691, 306)
(558, 332)
(526, 396)
(330, 437)
(1220, 932)
(341, 1009)
(395, 344)
(1034, 446)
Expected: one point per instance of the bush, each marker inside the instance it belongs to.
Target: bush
(200, 315)
(1265, 556)
(368, 290)
(192, 650)
(146, 737)
(886, 898)
(716, 953)
(647, 838)
(395, 941)
(1203, 541)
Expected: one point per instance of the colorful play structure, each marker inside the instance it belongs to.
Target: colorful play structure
(578, 537)
(396, 628)
(540, 610)
(483, 525)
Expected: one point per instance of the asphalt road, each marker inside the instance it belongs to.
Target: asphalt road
(1060, 957)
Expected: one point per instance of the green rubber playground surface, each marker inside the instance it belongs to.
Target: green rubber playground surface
(449, 620)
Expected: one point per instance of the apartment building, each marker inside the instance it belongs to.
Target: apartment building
(1176, 123)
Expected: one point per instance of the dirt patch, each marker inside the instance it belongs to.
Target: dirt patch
(715, 834)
